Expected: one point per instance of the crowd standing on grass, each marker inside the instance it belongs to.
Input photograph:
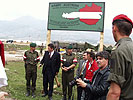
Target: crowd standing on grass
(97, 78)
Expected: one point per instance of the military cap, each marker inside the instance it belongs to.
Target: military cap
(69, 47)
(123, 17)
(32, 44)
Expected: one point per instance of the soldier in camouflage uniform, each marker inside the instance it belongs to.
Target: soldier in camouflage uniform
(121, 68)
(31, 59)
(68, 64)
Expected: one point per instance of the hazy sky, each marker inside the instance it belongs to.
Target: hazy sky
(12, 9)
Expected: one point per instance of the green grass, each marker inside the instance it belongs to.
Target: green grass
(17, 83)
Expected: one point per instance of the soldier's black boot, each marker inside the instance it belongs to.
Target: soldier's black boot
(33, 94)
(69, 98)
(28, 93)
(64, 97)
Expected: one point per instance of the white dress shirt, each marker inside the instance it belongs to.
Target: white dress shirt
(51, 53)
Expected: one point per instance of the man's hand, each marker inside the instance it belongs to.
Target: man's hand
(64, 69)
(71, 67)
(68, 68)
(39, 65)
(2, 95)
(81, 83)
(56, 73)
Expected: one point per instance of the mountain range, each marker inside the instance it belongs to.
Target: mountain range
(22, 28)
(30, 28)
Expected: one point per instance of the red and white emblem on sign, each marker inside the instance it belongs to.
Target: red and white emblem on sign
(87, 15)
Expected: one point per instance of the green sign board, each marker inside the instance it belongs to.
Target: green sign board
(82, 16)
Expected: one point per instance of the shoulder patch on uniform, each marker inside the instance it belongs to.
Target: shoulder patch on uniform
(115, 47)
(74, 60)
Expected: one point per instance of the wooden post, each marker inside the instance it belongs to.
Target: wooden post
(101, 41)
(48, 38)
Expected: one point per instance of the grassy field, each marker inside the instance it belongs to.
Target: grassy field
(16, 83)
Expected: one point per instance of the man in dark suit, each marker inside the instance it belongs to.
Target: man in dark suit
(82, 66)
(51, 64)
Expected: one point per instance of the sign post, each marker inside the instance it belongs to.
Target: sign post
(48, 38)
(101, 41)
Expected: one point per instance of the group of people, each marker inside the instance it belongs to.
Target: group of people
(93, 84)
(99, 76)
(51, 64)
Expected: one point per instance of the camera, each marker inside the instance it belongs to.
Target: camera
(73, 82)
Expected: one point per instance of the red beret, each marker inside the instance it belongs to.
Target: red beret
(123, 17)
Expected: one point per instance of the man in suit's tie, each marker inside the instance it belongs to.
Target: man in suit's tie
(51, 65)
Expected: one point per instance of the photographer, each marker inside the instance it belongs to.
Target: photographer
(98, 88)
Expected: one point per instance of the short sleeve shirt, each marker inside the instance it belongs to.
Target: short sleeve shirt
(68, 60)
(121, 67)
(31, 58)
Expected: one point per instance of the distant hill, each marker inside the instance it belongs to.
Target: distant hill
(30, 28)
(23, 28)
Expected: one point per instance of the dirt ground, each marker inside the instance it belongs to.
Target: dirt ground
(15, 55)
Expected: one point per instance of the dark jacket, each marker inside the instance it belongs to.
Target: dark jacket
(78, 71)
(98, 89)
(52, 64)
